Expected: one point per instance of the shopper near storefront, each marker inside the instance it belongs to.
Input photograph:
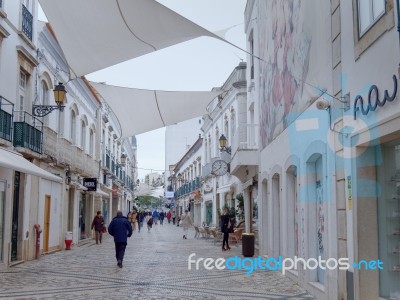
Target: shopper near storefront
(98, 226)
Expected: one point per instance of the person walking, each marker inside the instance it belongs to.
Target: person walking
(120, 228)
(155, 216)
(186, 223)
(149, 221)
(162, 216)
(168, 217)
(140, 218)
(98, 225)
(226, 227)
(133, 219)
(173, 217)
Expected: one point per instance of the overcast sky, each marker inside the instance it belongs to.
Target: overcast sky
(199, 64)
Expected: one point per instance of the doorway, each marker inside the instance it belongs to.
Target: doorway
(46, 229)
(15, 214)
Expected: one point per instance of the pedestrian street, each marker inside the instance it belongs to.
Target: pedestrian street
(155, 267)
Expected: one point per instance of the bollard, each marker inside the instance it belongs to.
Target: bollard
(248, 244)
(68, 240)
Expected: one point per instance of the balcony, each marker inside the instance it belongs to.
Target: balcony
(244, 149)
(27, 22)
(28, 132)
(6, 118)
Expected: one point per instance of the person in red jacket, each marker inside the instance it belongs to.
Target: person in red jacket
(169, 217)
(97, 225)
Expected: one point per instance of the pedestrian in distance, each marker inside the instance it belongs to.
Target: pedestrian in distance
(186, 223)
(226, 228)
(155, 217)
(169, 217)
(162, 216)
(98, 226)
(149, 221)
(173, 215)
(140, 218)
(120, 228)
(133, 219)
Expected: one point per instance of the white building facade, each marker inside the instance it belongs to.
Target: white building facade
(227, 117)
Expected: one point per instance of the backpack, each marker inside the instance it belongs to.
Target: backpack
(150, 221)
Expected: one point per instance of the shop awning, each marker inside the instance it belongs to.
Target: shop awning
(15, 161)
(95, 34)
(139, 111)
(100, 193)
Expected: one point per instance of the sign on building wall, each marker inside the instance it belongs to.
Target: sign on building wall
(90, 184)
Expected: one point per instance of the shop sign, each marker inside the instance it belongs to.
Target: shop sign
(168, 194)
(90, 184)
(373, 99)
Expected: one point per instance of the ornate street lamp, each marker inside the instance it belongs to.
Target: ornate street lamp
(222, 144)
(59, 97)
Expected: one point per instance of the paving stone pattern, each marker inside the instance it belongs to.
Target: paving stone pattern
(155, 267)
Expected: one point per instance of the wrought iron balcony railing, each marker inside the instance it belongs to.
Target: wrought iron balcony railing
(27, 22)
(28, 132)
(6, 118)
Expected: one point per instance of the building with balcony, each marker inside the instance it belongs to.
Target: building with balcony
(228, 117)
(25, 187)
(185, 182)
(178, 139)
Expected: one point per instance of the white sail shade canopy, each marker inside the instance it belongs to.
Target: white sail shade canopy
(95, 34)
(139, 111)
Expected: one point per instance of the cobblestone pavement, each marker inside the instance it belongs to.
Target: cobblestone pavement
(155, 267)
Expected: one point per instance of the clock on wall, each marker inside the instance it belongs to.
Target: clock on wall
(220, 167)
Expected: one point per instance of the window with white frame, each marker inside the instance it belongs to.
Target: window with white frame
(72, 134)
(83, 135)
(369, 11)
(233, 122)
(91, 142)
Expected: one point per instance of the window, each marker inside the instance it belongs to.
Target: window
(22, 80)
(43, 93)
(91, 141)
(369, 11)
(73, 128)
(83, 135)
(251, 45)
(233, 123)
(22, 87)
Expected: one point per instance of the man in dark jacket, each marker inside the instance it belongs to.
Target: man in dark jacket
(120, 228)
(98, 225)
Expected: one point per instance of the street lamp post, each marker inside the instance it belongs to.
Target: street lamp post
(222, 144)
(59, 97)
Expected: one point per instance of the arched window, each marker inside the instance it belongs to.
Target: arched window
(44, 98)
(226, 130)
(72, 134)
(233, 122)
(91, 142)
(83, 135)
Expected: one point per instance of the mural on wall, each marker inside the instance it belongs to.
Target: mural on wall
(286, 40)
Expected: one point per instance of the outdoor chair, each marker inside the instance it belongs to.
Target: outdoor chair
(202, 232)
(236, 235)
(208, 233)
(197, 232)
(216, 235)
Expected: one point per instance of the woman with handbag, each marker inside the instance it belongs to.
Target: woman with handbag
(98, 226)
(186, 223)
(226, 227)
